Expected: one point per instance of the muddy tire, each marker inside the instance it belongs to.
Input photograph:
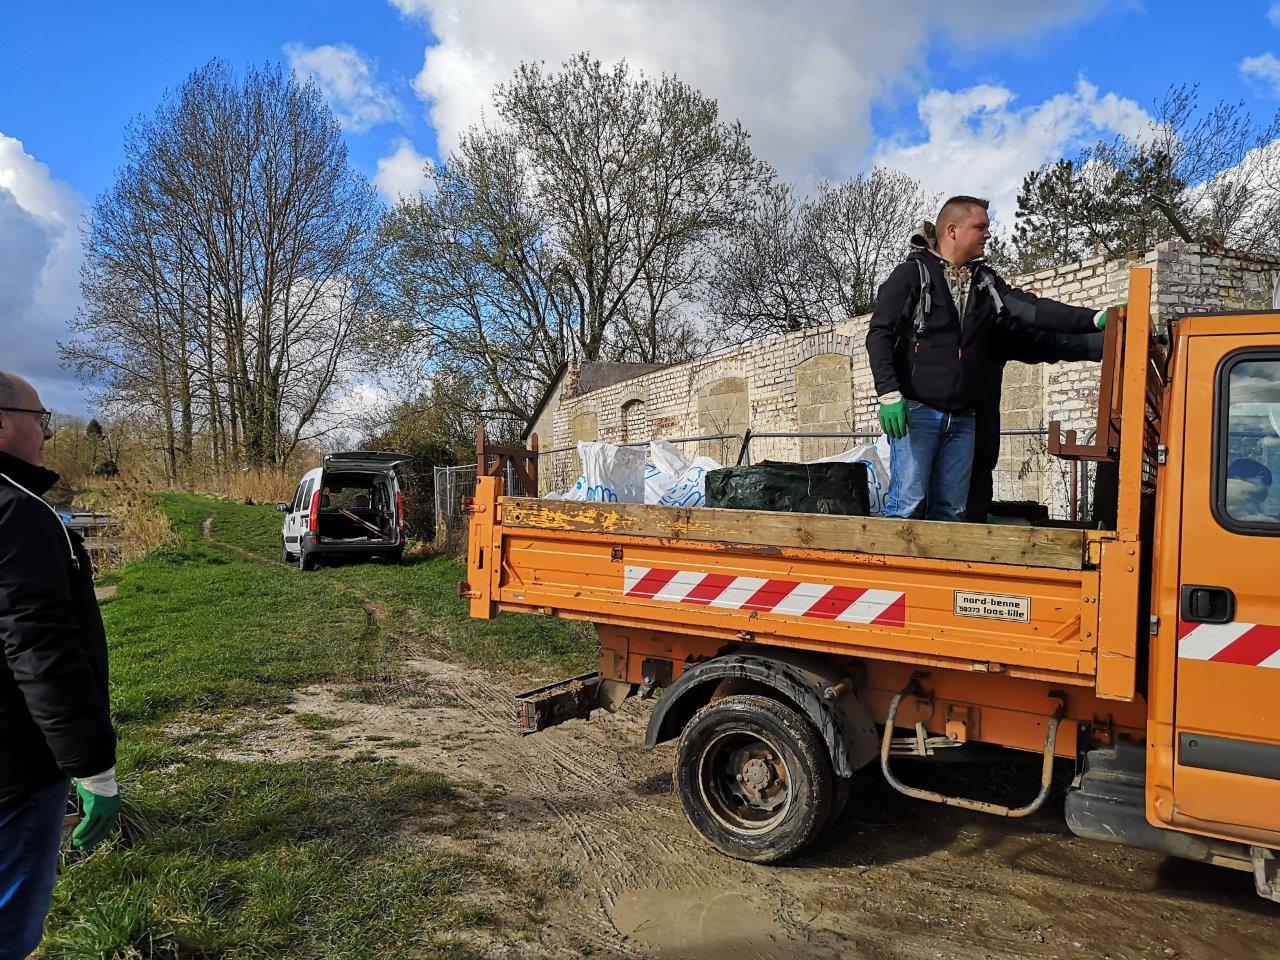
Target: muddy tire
(754, 778)
(285, 555)
(307, 561)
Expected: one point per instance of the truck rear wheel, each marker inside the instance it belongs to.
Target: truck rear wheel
(753, 777)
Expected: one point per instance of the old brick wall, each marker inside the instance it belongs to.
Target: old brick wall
(1186, 279)
(818, 380)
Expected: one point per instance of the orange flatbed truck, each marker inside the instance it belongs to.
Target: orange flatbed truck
(793, 650)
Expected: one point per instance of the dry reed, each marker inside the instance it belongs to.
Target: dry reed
(138, 524)
(249, 486)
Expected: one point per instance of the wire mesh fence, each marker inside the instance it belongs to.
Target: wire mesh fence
(451, 485)
(1025, 471)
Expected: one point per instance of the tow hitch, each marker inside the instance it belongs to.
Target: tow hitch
(571, 699)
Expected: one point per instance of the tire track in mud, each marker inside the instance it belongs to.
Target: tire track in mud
(894, 880)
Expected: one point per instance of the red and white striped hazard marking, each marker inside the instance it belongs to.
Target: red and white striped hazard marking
(817, 600)
(1250, 644)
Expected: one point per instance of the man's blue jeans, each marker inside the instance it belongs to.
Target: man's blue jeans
(29, 839)
(931, 465)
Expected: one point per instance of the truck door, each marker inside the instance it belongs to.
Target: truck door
(1227, 705)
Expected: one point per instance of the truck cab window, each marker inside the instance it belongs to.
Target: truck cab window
(1248, 499)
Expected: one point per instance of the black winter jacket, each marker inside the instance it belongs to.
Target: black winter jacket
(949, 366)
(54, 715)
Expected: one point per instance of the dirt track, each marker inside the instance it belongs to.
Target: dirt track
(894, 879)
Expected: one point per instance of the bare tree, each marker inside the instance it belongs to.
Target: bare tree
(571, 229)
(770, 275)
(227, 278)
(861, 231)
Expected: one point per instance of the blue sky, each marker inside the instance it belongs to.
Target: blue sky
(964, 95)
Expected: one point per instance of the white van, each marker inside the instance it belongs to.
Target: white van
(352, 506)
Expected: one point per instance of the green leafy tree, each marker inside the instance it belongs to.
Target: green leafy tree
(1203, 176)
(434, 427)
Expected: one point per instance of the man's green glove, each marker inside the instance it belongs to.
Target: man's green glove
(1100, 319)
(100, 816)
(893, 419)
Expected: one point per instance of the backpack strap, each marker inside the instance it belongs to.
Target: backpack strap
(924, 301)
(986, 280)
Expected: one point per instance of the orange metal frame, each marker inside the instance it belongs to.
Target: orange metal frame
(1082, 636)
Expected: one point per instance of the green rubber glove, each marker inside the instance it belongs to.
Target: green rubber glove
(1100, 320)
(100, 816)
(893, 419)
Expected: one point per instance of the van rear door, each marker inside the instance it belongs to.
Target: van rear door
(358, 460)
(1227, 701)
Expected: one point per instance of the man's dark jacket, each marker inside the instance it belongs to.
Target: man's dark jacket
(54, 717)
(1024, 345)
(950, 365)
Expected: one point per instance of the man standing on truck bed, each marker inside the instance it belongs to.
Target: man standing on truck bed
(933, 347)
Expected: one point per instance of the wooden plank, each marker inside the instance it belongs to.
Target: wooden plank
(970, 542)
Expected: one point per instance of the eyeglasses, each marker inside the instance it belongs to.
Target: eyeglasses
(45, 415)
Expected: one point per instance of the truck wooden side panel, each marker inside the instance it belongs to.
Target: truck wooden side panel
(1032, 622)
(982, 543)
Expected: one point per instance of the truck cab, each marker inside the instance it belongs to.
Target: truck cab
(1214, 731)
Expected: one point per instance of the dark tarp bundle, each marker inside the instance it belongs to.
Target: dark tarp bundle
(839, 488)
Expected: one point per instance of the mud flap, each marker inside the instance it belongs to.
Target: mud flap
(571, 699)
(1109, 806)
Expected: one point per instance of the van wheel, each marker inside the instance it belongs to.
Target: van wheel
(753, 778)
(307, 561)
(285, 555)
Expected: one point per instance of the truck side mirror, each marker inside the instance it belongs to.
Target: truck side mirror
(282, 508)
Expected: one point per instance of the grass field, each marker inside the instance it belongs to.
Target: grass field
(282, 859)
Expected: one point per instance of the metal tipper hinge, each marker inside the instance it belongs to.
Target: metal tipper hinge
(1154, 625)
(1162, 454)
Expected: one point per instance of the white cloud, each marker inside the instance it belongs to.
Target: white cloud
(358, 98)
(801, 76)
(402, 173)
(40, 219)
(1263, 72)
(1273, 14)
(977, 141)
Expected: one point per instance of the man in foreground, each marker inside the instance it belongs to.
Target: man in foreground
(54, 718)
(933, 346)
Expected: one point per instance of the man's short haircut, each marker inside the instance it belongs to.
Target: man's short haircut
(1246, 469)
(9, 390)
(956, 207)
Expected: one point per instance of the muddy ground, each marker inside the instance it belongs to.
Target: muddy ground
(895, 878)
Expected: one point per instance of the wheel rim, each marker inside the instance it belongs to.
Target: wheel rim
(744, 781)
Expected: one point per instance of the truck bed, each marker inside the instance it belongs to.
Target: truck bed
(866, 587)
(1061, 548)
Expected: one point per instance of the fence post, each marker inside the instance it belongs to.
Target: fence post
(533, 467)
